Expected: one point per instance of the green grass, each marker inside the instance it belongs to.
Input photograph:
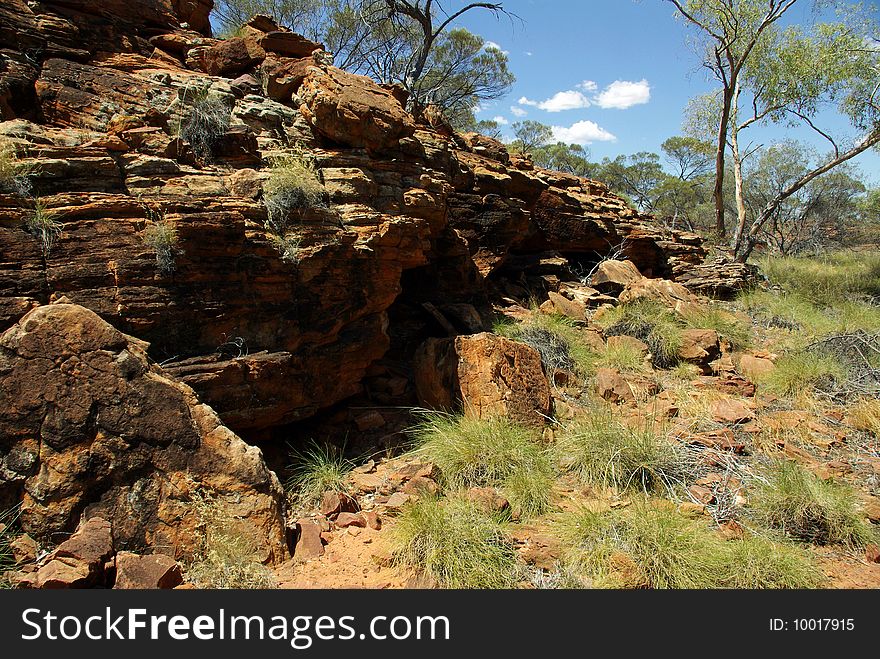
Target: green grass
(14, 174)
(827, 279)
(645, 546)
(227, 556)
(316, 469)
(292, 185)
(489, 453)
(621, 356)
(44, 226)
(801, 372)
(648, 321)
(455, 543)
(603, 452)
(802, 506)
(161, 236)
(729, 328)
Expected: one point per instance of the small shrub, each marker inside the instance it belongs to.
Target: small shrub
(205, 121)
(292, 184)
(43, 225)
(489, 452)
(316, 469)
(161, 236)
(454, 542)
(802, 372)
(805, 507)
(622, 356)
(227, 557)
(603, 452)
(14, 174)
(647, 546)
(553, 348)
(288, 247)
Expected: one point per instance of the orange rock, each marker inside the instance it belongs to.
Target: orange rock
(730, 411)
(614, 276)
(700, 347)
(613, 387)
(486, 375)
(754, 367)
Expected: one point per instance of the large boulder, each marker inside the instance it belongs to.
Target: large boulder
(89, 427)
(486, 376)
(353, 110)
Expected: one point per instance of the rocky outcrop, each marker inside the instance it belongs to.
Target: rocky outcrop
(413, 214)
(89, 427)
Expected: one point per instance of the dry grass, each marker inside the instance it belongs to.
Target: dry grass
(161, 236)
(44, 226)
(205, 122)
(865, 415)
(292, 185)
(227, 558)
(14, 174)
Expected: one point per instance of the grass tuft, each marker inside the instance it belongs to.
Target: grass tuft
(647, 546)
(650, 322)
(316, 469)
(801, 372)
(161, 236)
(205, 122)
(805, 507)
(14, 174)
(292, 185)
(603, 452)
(489, 453)
(43, 225)
(455, 543)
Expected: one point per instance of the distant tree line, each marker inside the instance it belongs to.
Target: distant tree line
(833, 210)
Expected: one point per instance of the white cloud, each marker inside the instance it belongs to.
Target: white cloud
(529, 53)
(588, 86)
(621, 94)
(501, 121)
(518, 112)
(568, 100)
(491, 45)
(583, 132)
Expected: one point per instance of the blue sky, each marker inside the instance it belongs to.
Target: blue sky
(638, 68)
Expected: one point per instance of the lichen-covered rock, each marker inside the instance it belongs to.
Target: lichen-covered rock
(89, 426)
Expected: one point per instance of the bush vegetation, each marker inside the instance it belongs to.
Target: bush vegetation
(43, 225)
(489, 453)
(227, 557)
(315, 469)
(456, 543)
(204, 122)
(603, 452)
(14, 174)
(161, 236)
(797, 503)
(653, 546)
(292, 185)
(802, 372)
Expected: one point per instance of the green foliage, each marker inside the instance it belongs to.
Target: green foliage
(653, 546)
(729, 328)
(530, 135)
(44, 226)
(650, 322)
(227, 557)
(161, 236)
(14, 174)
(565, 158)
(829, 279)
(455, 543)
(292, 185)
(801, 505)
(489, 452)
(316, 469)
(604, 452)
(801, 372)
